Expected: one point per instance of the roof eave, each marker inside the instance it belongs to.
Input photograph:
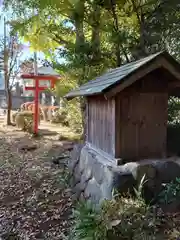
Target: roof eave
(71, 95)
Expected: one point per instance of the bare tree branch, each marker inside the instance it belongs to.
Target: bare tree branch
(13, 63)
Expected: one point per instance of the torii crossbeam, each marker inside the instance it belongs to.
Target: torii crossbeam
(37, 88)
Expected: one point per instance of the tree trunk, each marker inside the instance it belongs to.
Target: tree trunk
(118, 46)
(79, 25)
(80, 51)
(140, 50)
(9, 106)
(95, 40)
(6, 77)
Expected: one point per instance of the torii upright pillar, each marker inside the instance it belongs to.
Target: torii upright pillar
(37, 88)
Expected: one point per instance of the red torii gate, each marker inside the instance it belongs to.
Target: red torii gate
(37, 88)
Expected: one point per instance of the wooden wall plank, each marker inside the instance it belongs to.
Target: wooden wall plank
(101, 123)
(141, 112)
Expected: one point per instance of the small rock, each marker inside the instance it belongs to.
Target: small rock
(28, 147)
(56, 160)
(75, 157)
(68, 145)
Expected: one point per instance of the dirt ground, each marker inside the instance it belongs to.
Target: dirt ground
(35, 201)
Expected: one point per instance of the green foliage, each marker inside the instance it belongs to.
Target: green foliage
(138, 191)
(171, 192)
(24, 121)
(60, 117)
(173, 138)
(69, 115)
(120, 218)
(67, 81)
(93, 36)
(173, 130)
(88, 223)
(124, 218)
(74, 117)
(98, 32)
(174, 111)
(63, 179)
(128, 218)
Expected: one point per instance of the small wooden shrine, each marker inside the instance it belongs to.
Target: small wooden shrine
(127, 108)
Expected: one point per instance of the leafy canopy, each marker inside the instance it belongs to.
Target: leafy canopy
(95, 35)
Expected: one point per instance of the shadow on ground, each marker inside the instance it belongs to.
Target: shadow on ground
(47, 132)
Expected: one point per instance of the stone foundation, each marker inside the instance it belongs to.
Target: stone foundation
(94, 177)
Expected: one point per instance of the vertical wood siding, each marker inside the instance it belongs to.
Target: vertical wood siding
(141, 120)
(101, 123)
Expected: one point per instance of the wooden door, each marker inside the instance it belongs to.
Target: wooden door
(129, 135)
(152, 125)
(143, 124)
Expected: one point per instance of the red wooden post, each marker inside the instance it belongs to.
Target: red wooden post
(36, 120)
(37, 89)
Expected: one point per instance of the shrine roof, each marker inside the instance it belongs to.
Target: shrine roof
(117, 76)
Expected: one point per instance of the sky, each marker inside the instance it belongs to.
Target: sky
(26, 52)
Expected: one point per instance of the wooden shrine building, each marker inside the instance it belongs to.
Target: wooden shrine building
(127, 108)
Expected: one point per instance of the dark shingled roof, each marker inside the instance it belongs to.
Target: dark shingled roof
(113, 77)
